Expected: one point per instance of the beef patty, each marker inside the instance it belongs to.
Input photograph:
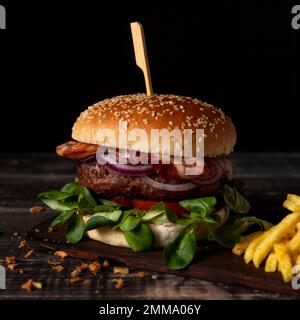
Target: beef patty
(109, 184)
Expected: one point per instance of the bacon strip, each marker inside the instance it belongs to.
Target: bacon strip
(77, 150)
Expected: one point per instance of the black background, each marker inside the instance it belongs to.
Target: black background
(58, 59)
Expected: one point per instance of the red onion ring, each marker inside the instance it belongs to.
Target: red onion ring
(168, 187)
(110, 161)
(216, 174)
(104, 155)
(133, 170)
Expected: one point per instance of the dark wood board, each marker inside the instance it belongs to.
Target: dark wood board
(211, 262)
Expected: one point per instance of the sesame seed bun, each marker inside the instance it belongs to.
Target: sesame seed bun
(156, 112)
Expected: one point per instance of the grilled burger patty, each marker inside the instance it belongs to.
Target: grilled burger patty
(111, 184)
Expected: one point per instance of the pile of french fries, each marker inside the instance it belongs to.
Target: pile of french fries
(279, 246)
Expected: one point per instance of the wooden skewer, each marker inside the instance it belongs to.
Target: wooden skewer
(140, 52)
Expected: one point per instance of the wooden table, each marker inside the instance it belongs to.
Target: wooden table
(23, 176)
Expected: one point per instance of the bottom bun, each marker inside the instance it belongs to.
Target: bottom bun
(164, 234)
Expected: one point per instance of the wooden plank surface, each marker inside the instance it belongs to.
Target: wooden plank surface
(268, 178)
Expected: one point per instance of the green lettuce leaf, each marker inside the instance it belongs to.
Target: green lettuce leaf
(180, 253)
(140, 239)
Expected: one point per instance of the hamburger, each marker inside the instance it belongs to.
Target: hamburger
(145, 204)
(159, 181)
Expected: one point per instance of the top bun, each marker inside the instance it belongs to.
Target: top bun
(156, 112)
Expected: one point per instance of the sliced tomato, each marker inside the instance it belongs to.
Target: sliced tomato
(146, 205)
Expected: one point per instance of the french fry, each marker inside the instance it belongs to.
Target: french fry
(271, 263)
(275, 234)
(252, 247)
(294, 258)
(294, 244)
(241, 247)
(290, 234)
(291, 205)
(280, 245)
(251, 236)
(298, 259)
(284, 261)
(294, 198)
(278, 267)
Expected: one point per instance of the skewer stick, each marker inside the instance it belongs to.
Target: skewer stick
(140, 52)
